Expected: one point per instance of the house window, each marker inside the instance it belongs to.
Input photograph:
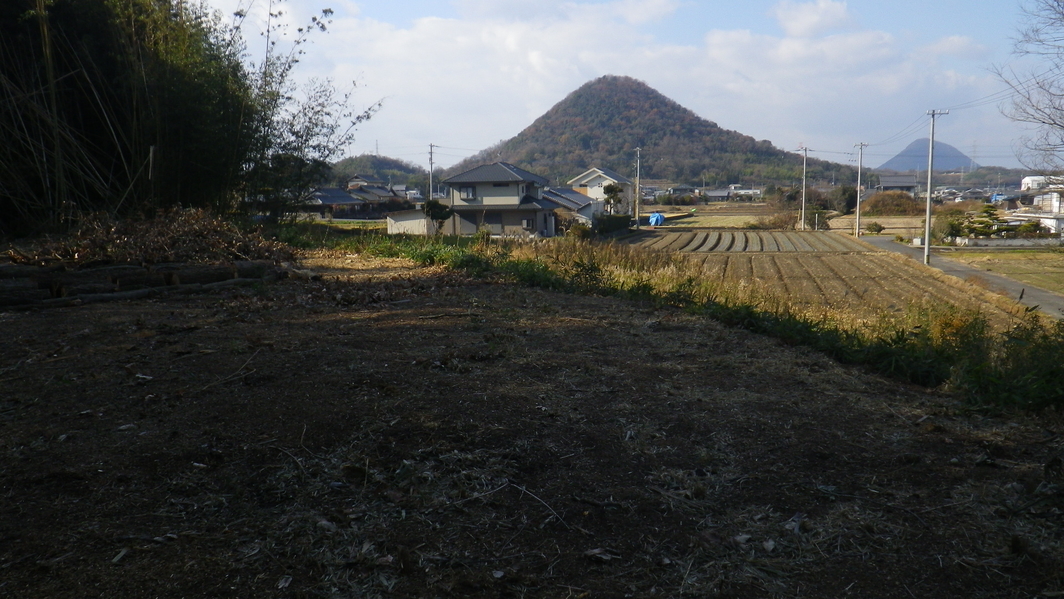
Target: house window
(500, 184)
(467, 192)
(526, 223)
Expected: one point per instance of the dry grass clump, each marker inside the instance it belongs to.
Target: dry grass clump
(179, 235)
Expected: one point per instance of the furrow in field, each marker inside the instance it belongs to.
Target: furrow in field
(783, 240)
(801, 287)
(753, 241)
(656, 241)
(763, 271)
(739, 268)
(800, 243)
(768, 241)
(855, 291)
(814, 241)
(679, 240)
(727, 241)
(915, 285)
(832, 290)
(843, 243)
(699, 239)
(711, 242)
(777, 273)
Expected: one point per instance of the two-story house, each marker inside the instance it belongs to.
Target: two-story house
(499, 198)
(593, 181)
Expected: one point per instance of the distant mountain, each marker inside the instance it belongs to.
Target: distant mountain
(604, 121)
(914, 158)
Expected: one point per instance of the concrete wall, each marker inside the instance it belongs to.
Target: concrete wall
(409, 222)
(1003, 243)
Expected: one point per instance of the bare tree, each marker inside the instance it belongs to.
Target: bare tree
(1038, 92)
(298, 130)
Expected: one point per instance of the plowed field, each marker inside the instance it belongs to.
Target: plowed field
(694, 240)
(818, 270)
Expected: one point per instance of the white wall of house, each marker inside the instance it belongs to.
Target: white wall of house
(1048, 202)
(593, 187)
(409, 222)
(1036, 182)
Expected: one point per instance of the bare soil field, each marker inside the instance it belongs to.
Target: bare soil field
(394, 431)
(1039, 267)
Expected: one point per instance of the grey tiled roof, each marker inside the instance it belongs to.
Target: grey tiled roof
(497, 172)
(334, 195)
(567, 198)
(897, 181)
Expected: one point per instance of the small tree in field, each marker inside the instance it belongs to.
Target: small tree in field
(613, 196)
(438, 213)
(298, 126)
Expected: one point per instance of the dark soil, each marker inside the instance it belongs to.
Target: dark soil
(402, 432)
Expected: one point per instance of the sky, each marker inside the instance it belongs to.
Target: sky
(824, 74)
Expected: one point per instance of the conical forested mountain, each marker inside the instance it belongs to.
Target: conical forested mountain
(603, 122)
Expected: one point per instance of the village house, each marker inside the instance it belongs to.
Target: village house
(574, 204)
(372, 191)
(502, 199)
(335, 201)
(593, 181)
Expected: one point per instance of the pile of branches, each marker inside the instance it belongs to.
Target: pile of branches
(179, 235)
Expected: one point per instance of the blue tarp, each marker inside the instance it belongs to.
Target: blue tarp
(657, 219)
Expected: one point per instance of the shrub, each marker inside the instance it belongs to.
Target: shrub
(579, 230)
(874, 228)
(892, 203)
(610, 223)
(780, 221)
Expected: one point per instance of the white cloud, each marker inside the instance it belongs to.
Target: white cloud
(808, 19)
(467, 82)
(959, 46)
(638, 12)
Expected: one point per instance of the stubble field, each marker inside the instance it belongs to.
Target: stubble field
(825, 272)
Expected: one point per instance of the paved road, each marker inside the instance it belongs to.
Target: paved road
(1036, 297)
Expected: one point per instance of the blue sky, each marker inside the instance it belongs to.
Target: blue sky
(464, 74)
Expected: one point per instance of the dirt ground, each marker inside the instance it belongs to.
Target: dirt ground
(393, 431)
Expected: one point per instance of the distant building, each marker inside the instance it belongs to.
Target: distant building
(1036, 182)
(906, 183)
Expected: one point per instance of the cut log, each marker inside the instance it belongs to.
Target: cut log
(133, 280)
(16, 271)
(253, 269)
(70, 290)
(18, 296)
(199, 274)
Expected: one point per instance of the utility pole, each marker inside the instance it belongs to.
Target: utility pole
(638, 159)
(431, 146)
(805, 160)
(930, 171)
(860, 163)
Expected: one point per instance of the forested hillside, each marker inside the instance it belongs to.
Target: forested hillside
(603, 122)
(129, 106)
